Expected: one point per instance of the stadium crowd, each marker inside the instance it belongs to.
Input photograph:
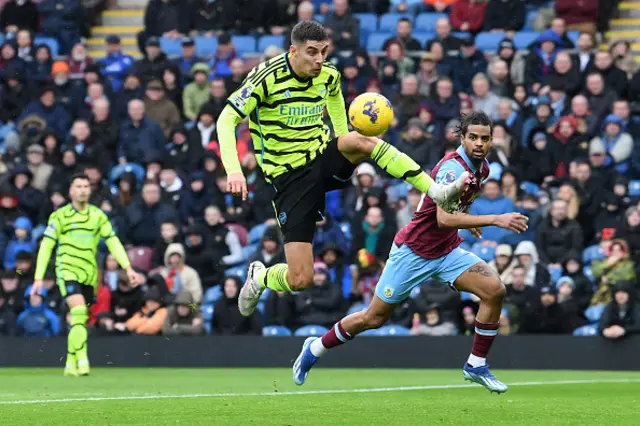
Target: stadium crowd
(565, 153)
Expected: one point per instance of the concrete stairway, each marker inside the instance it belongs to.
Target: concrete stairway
(125, 22)
(627, 27)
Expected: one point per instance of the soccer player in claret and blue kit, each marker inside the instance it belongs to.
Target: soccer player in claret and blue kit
(428, 248)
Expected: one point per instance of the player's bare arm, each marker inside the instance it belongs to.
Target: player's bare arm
(515, 222)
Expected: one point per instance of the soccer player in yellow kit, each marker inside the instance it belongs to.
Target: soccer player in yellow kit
(285, 98)
(75, 230)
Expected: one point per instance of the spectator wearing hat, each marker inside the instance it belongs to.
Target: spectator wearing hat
(187, 60)
(195, 199)
(131, 89)
(503, 263)
(433, 324)
(19, 15)
(30, 200)
(16, 94)
(546, 316)
(582, 287)
(160, 109)
(184, 152)
(328, 231)
(204, 132)
(565, 288)
(21, 241)
(140, 136)
(154, 62)
(540, 62)
(227, 320)
(416, 144)
(610, 218)
(322, 303)
(615, 143)
(542, 120)
(468, 15)
(115, 65)
(64, 87)
(150, 318)
(37, 320)
(46, 109)
(13, 295)
(343, 27)
(202, 254)
(504, 16)
(221, 61)
(468, 64)
(621, 317)
(78, 61)
(567, 144)
(507, 51)
(558, 234)
(538, 164)
(39, 168)
(270, 251)
(180, 278)
(617, 266)
(196, 93)
(404, 29)
(184, 317)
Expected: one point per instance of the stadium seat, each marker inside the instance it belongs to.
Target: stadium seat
(345, 227)
(207, 316)
(260, 308)
(556, 273)
(248, 251)
(589, 274)
(464, 296)
(50, 42)
(586, 330)
(424, 37)
(393, 330)
(134, 168)
(212, 295)
(275, 330)
(528, 22)
(462, 34)
(573, 36)
(634, 189)
(318, 17)
(488, 42)
(241, 232)
(427, 21)
(593, 313)
(370, 333)
(310, 330)
(270, 40)
(357, 308)
(415, 292)
(265, 295)
(485, 253)
(244, 43)
(376, 41)
(495, 170)
(140, 257)
(170, 46)
(523, 39)
(368, 22)
(530, 188)
(255, 234)
(237, 271)
(592, 253)
(389, 21)
(206, 46)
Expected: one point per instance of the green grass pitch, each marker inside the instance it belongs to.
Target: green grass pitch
(112, 396)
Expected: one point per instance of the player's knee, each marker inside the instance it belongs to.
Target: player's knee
(496, 291)
(299, 280)
(372, 319)
(357, 143)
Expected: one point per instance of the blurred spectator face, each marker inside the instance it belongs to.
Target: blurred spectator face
(502, 261)
(183, 310)
(558, 210)
(95, 91)
(518, 276)
(566, 193)
(152, 51)
(414, 198)
(395, 52)
(468, 51)
(21, 180)
(91, 77)
(547, 46)
(480, 87)
(465, 108)
(80, 130)
(305, 11)
(603, 60)
(374, 217)
(373, 87)
(113, 48)
(443, 28)
(270, 246)
(210, 165)
(106, 207)
(585, 42)
(595, 85)
(168, 231)
(35, 158)
(437, 50)
(444, 89)
(110, 263)
(350, 72)
(237, 68)
(505, 109)
(151, 194)
(21, 233)
(491, 190)
(565, 129)
(50, 143)
(622, 297)
(131, 82)
(427, 66)
(48, 99)
(500, 142)
(506, 53)
(152, 305)
(565, 290)
(188, 51)
(612, 130)
(365, 180)
(212, 216)
(415, 133)
(179, 138)
(340, 6)
(617, 250)
(319, 278)
(373, 200)
(170, 80)
(168, 176)
(197, 185)
(543, 112)
(9, 284)
(194, 239)
(207, 120)
(330, 258)
(520, 94)
(68, 158)
(548, 299)
(8, 52)
(557, 95)
(409, 86)
(425, 116)
(507, 178)
(100, 110)
(559, 26)
(403, 29)
(500, 71)
(562, 63)
(468, 316)
(35, 300)
(579, 106)
(79, 52)
(154, 94)
(174, 260)
(136, 110)
(42, 54)
(57, 199)
(23, 38)
(230, 289)
(573, 266)
(597, 160)
(432, 317)
(620, 49)
(621, 109)
(620, 190)
(222, 183)
(218, 90)
(633, 219)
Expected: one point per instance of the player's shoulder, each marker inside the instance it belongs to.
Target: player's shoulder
(266, 69)
(97, 213)
(449, 170)
(330, 69)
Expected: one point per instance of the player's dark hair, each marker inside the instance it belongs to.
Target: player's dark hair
(308, 31)
(476, 118)
(77, 176)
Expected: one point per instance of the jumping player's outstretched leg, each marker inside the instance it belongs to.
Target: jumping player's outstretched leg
(482, 282)
(356, 148)
(376, 314)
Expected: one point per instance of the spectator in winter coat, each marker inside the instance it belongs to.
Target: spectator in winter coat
(444, 104)
(434, 325)
(569, 304)
(179, 277)
(79, 62)
(45, 108)
(540, 61)
(403, 35)
(630, 232)
(153, 64)
(614, 78)
(504, 15)
(374, 234)
(184, 152)
(339, 269)
(483, 99)
(195, 199)
(160, 109)
(544, 119)
(329, 232)
(40, 169)
(21, 241)
(270, 251)
(141, 138)
(343, 27)
(491, 202)
(567, 144)
(131, 89)
(616, 267)
(16, 94)
(8, 326)
(621, 317)
(19, 15)
(115, 65)
(30, 200)
(196, 93)
(87, 149)
(519, 295)
(546, 317)
(352, 82)
(449, 42)
(37, 320)
(168, 235)
(536, 273)
(144, 216)
(65, 88)
(280, 309)
(617, 144)
(564, 74)
(150, 318)
(468, 15)
(418, 145)
(582, 287)
(557, 235)
(105, 127)
(322, 303)
(503, 263)
(187, 60)
(469, 63)
(39, 70)
(183, 317)
(226, 317)
(610, 218)
(600, 99)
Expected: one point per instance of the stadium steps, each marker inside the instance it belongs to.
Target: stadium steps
(124, 23)
(629, 9)
(123, 17)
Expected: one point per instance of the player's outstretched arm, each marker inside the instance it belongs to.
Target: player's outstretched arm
(337, 110)
(515, 222)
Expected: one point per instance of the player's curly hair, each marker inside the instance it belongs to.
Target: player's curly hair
(476, 118)
(308, 31)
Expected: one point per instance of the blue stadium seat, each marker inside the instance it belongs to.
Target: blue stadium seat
(170, 46)
(265, 294)
(244, 43)
(134, 168)
(523, 39)
(592, 253)
(593, 313)
(495, 170)
(634, 188)
(389, 21)
(528, 22)
(415, 292)
(573, 36)
(269, 40)
(207, 316)
(345, 227)
(485, 253)
(589, 274)
(310, 330)
(356, 308)
(393, 330)
(464, 296)
(370, 333)
(462, 34)
(376, 41)
(368, 21)
(212, 295)
(50, 42)
(586, 330)
(247, 251)
(530, 188)
(318, 17)
(427, 21)
(237, 271)
(556, 273)
(275, 330)
(206, 46)
(488, 42)
(424, 37)
(260, 307)
(256, 233)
